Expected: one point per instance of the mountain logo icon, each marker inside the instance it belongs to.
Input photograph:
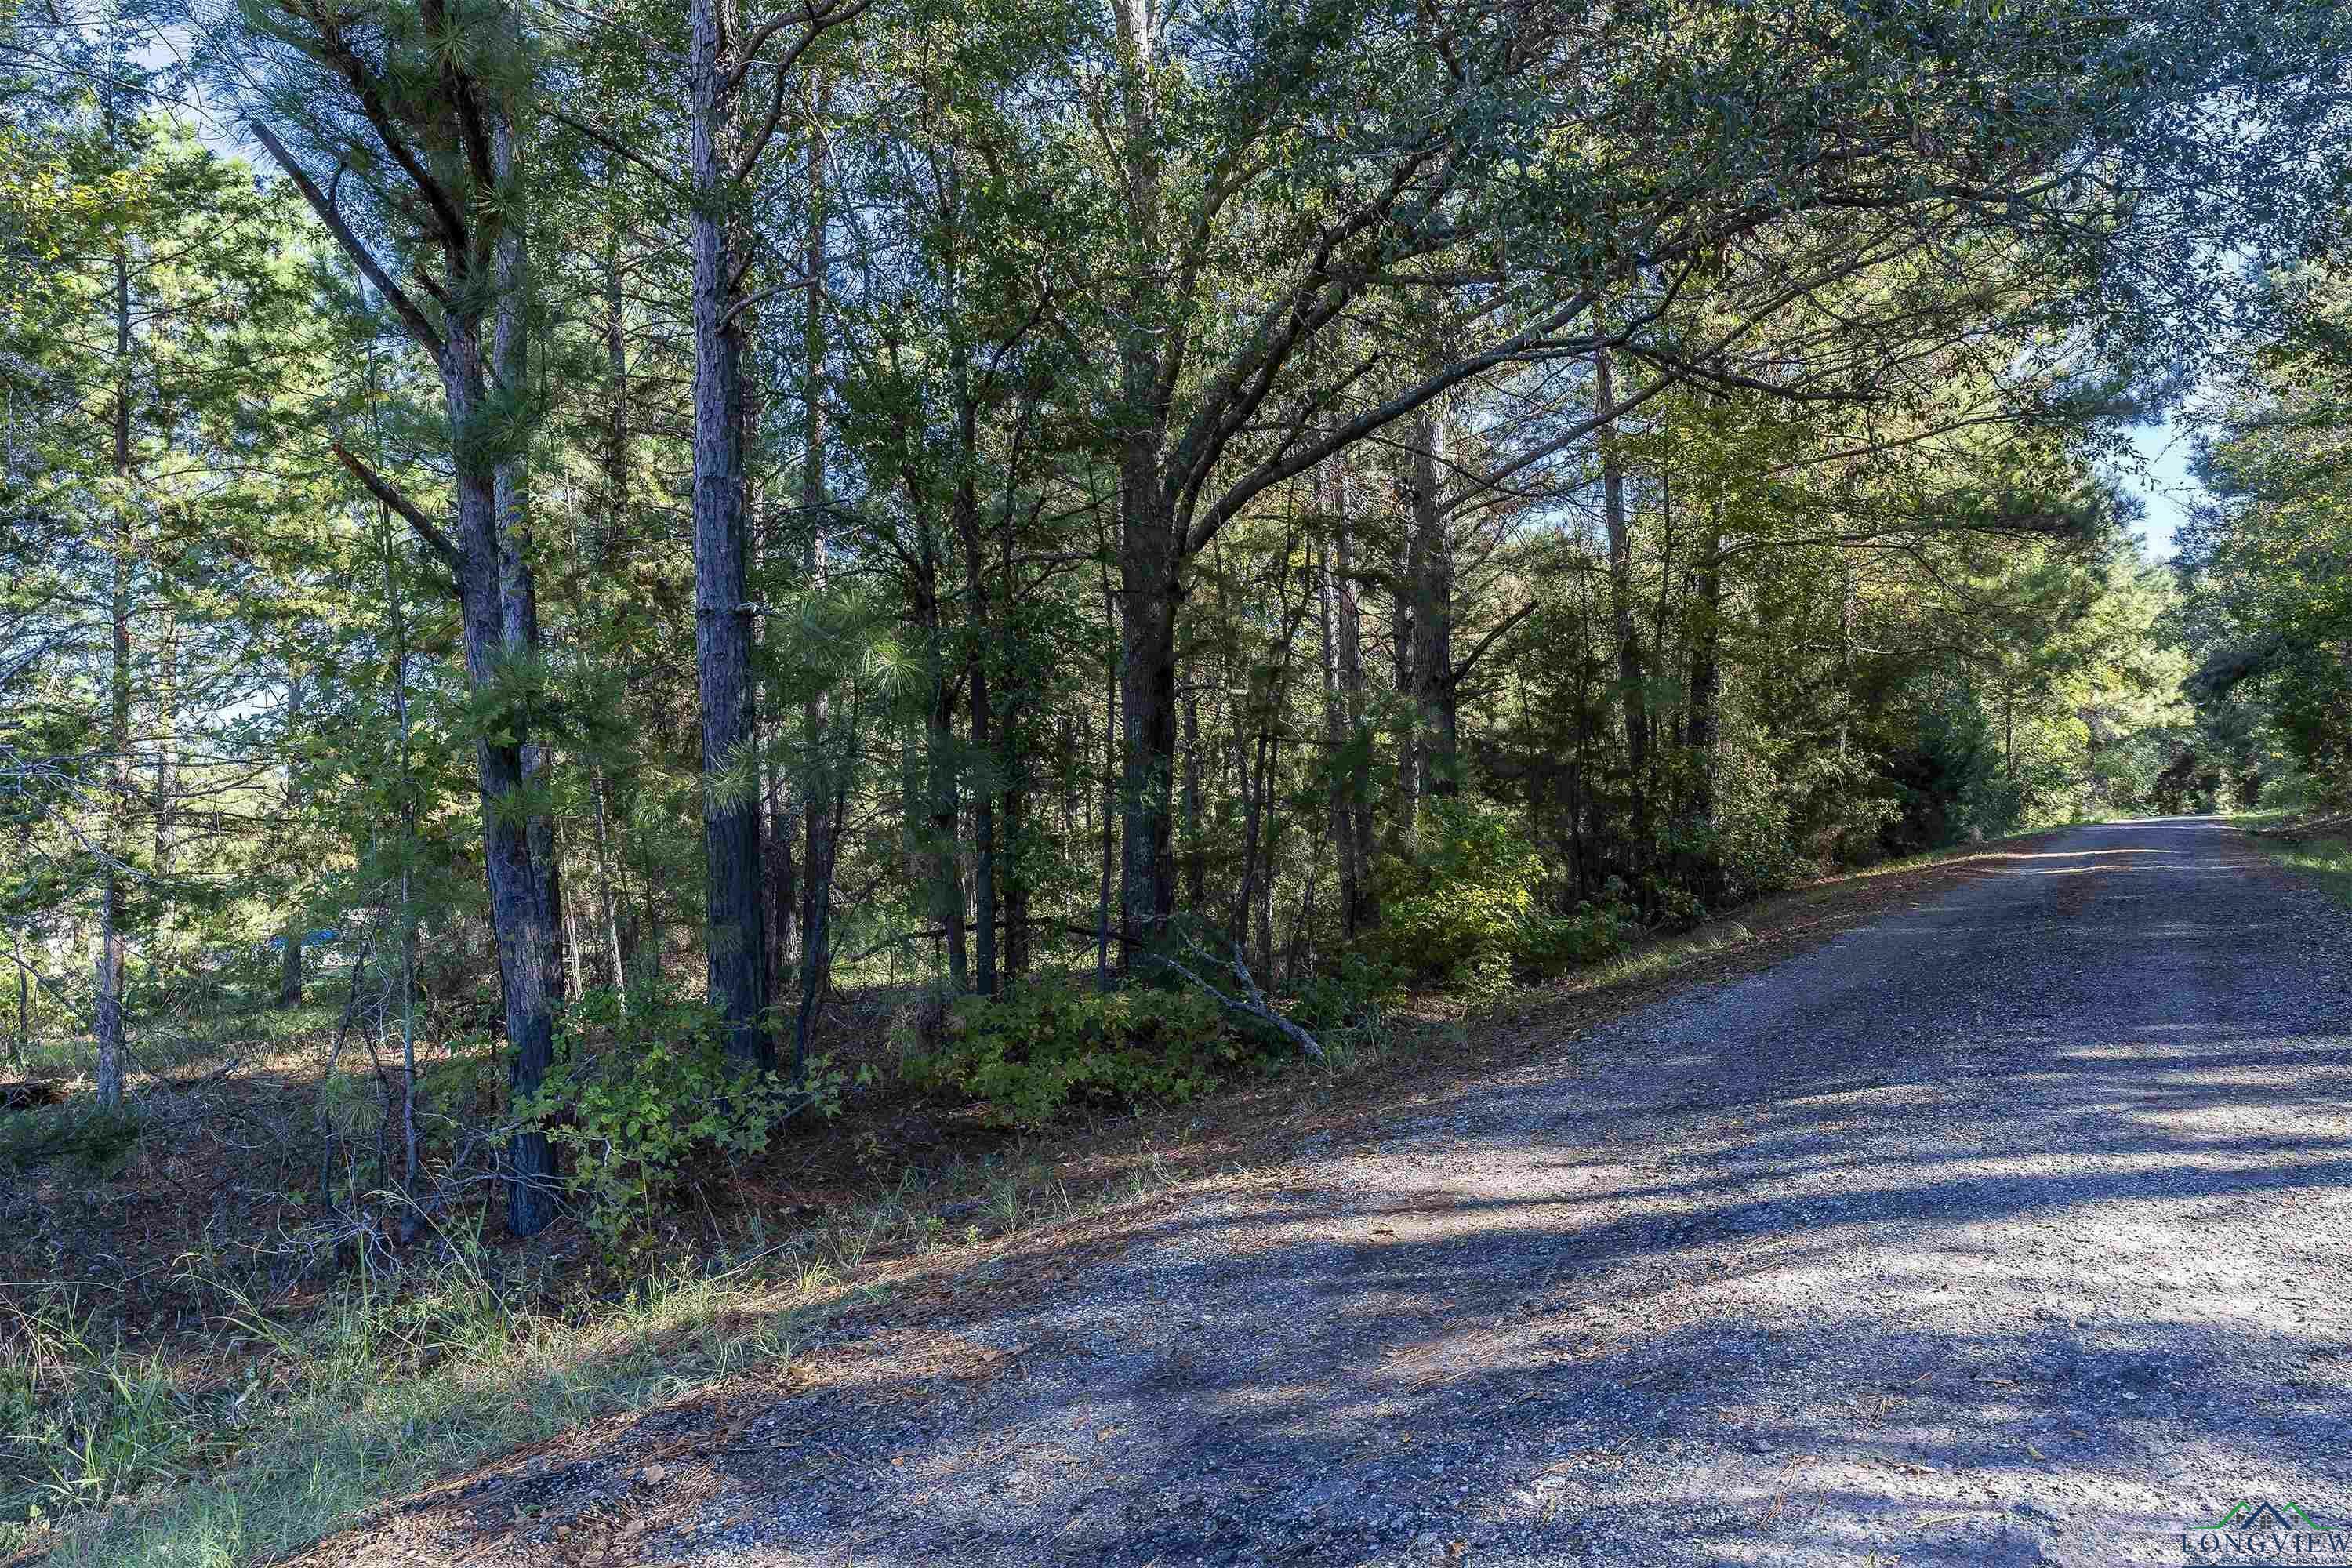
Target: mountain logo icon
(2259, 1514)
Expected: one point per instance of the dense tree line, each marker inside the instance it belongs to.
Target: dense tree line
(618, 496)
(2263, 605)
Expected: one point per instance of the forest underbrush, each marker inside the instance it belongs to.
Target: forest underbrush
(198, 1366)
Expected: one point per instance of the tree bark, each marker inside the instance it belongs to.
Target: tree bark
(24, 1002)
(519, 913)
(736, 922)
(1150, 593)
(1364, 913)
(1339, 819)
(1110, 791)
(820, 813)
(1429, 572)
(112, 951)
(932, 797)
(616, 454)
(982, 643)
(289, 963)
(1633, 687)
(1196, 824)
(1706, 668)
(497, 619)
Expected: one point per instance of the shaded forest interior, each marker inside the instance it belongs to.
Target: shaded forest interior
(590, 595)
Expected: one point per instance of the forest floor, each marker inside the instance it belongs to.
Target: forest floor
(1986, 1210)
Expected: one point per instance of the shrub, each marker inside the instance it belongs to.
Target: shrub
(1461, 911)
(1551, 945)
(1454, 913)
(640, 1090)
(1357, 995)
(100, 1139)
(1049, 1044)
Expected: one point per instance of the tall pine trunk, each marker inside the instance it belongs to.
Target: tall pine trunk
(1339, 820)
(517, 585)
(521, 916)
(820, 811)
(112, 942)
(1149, 595)
(981, 645)
(1706, 668)
(289, 963)
(1436, 751)
(1632, 685)
(736, 922)
(1364, 913)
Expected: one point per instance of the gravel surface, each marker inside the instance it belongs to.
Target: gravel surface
(2012, 1229)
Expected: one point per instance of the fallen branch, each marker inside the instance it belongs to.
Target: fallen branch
(1251, 1003)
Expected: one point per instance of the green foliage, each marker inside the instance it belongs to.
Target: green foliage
(100, 1139)
(1751, 841)
(1363, 985)
(1050, 1046)
(81, 1422)
(1455, 912)
(1460, 912)
(1551, 945)
(642, 1089)
(1953, 784)
(2327, 860)
(2267, 604)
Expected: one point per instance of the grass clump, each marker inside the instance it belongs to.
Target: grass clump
(2324, 856)
(81, 1420)
(384, 1391)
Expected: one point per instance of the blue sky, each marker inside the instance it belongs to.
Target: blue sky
(2165, 483)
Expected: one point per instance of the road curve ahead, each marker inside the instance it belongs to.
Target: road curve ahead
(2012, 1229)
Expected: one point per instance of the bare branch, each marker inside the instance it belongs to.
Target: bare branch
(385, 491)
(419, 325)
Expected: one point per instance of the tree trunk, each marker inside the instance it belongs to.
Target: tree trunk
(1404, 642)
(942, 845)
(1252, 801)
(615, 499)
(1707, 668)
(783, 883)
(289, 963)
(816, 940)
(607, 895)
(24, 1004)
(1429, 569)
(165, 686)
(1150, 547)
(983, 716)
(1269, 750)
(1016, 886)
(1149, 592)
(1109, 802)
(112, 952)
(1633, 688)
(820, 814)
(1364, 913)
(1195, 825)
(736, 922)
(1339, 820)
(520, 914)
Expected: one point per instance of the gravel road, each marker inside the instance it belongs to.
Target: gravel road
(2012, 1229)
